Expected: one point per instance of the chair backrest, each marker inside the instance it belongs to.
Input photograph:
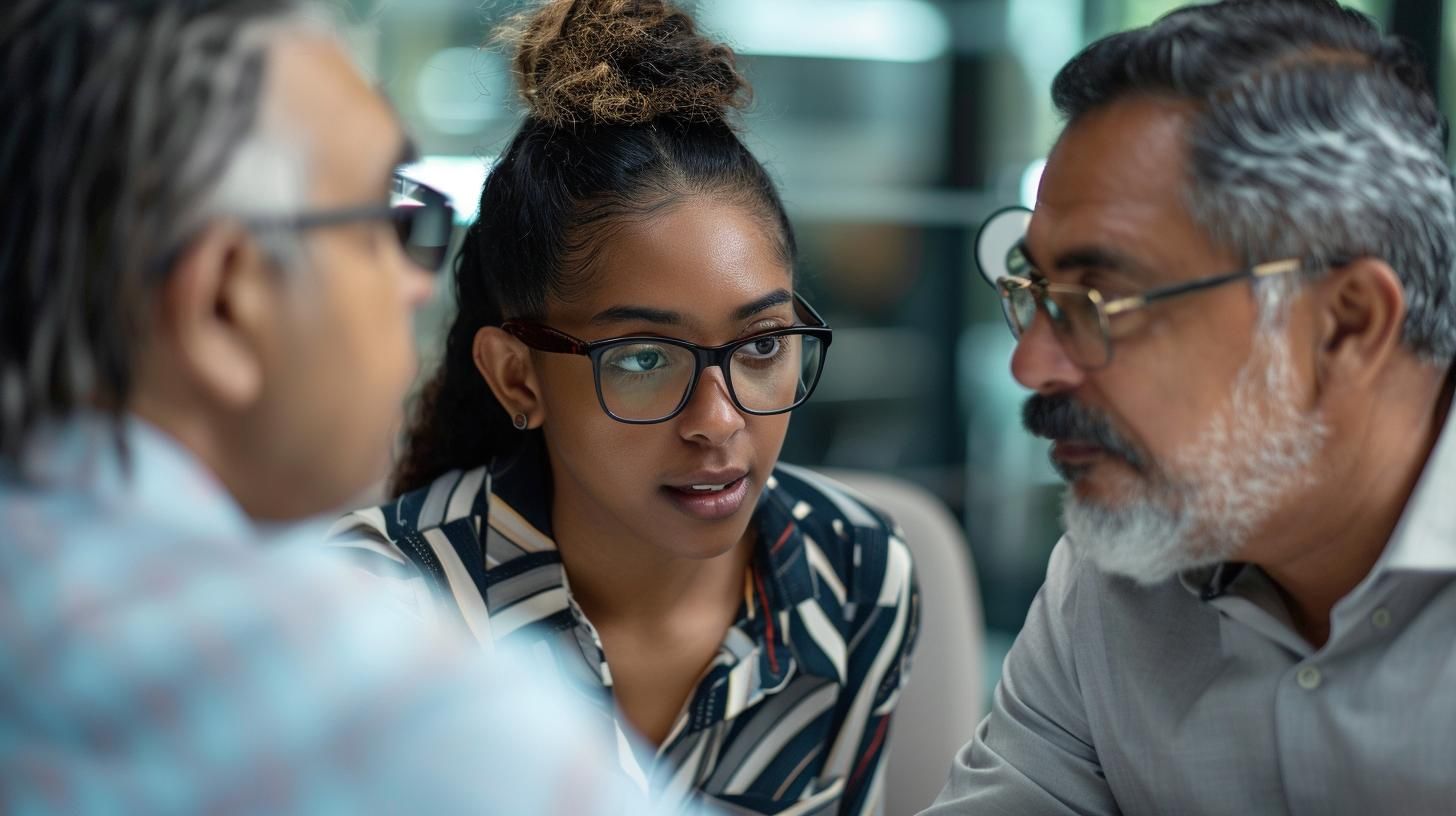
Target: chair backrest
(943, 702)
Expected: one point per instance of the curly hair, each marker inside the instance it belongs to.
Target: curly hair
(623, 62)
(628, 109)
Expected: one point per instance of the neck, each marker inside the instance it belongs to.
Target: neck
(222, 449)
(618, 578)
(187, 429)
(1320, 557)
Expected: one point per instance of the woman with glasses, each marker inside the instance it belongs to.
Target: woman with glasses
(591, 474)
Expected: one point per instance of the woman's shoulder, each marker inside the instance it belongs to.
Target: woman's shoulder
(858, 539)
(452, 496)
(407, 543)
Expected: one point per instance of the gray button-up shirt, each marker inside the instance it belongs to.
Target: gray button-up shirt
(1198, 696)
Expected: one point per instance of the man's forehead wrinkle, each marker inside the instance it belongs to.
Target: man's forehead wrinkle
(1127, 228)
(1131, 153)
(1117, 181)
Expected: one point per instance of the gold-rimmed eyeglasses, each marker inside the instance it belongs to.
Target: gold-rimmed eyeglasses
(1081, 316)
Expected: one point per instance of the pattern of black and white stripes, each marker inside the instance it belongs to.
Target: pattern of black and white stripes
(791, 716)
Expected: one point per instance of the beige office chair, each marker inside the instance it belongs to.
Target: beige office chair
(942, 704)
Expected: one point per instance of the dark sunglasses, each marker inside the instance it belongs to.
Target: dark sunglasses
(422, 217)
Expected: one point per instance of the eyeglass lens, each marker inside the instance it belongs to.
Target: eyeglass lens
(646, 381)
(423, 219)
(1076, 320)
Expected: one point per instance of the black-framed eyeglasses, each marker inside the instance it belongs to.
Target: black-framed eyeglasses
(646, 379)
(1081, 316)
(422, 216)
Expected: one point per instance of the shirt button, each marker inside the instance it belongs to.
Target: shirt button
(1309, 678)
(1380, 618)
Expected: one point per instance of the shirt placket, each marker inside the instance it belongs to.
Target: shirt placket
(1310, 687)
(658, 774)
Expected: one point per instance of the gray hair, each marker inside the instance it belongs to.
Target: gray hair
(131, 125)
(1314, 136)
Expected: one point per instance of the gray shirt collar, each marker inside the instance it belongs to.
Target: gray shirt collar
(1425, 538)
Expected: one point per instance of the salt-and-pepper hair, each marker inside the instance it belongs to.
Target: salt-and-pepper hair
(129, 126)
(1313, 136)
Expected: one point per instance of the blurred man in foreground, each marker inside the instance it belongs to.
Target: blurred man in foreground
(207, 270)
(1234, 303)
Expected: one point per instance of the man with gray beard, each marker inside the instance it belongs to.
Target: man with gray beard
(1234, 303)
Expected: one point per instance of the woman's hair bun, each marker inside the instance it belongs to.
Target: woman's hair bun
(622, 62)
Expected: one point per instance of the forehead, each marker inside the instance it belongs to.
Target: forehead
(1116, 181)
(701, 258)
(353, 136)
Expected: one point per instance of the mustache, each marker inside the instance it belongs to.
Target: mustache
(1059, 418)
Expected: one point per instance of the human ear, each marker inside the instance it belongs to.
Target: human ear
(215, 314)
(1361, 314)
(505, 363)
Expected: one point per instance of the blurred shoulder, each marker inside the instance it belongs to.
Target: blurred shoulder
(452, 496)
(405, 543)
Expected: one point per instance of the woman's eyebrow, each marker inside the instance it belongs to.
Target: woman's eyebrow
(768, 301)
(665, 317)
(630, 314)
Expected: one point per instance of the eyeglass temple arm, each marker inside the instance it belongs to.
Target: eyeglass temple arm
(311, 220)
(545, 338)
(345, 216)
(818, 322)
(1261, 271)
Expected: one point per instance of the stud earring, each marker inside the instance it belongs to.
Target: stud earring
(520, 422)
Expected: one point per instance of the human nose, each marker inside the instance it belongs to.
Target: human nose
(710, 416)
(1040, 361)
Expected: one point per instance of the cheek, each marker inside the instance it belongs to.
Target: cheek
(345, 370)
(587, 434)
(1174, 375)
(616, 465)
(1163, 407)
(767, 435)
(575, 425)
(324, 435)
(569, 394)
(368, 307)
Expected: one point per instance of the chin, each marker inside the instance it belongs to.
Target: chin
(1102, 485)
(711, 553)
(696, 540)
(1146, 540)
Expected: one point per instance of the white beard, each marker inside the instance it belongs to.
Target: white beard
(1203, 507)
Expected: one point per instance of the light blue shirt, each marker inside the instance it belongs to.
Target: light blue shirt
(160, 654)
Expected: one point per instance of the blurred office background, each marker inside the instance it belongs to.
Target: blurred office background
(894, 127)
